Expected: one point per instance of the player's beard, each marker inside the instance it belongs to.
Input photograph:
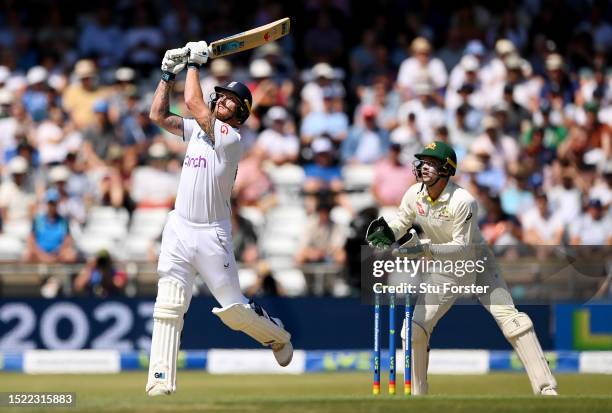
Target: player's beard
(223, 118)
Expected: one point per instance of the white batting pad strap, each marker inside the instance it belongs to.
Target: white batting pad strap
(242, 317)
(527, 346)
(168, 311)
(516, 325)
(170, 306)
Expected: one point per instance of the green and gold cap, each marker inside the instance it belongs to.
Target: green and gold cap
(442, 151)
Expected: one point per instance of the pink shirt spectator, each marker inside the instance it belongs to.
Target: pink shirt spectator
(391, 181)
(252, 183)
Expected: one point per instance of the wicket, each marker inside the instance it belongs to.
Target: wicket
(392, 347)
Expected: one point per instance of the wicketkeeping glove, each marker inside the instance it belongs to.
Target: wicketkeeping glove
(413, 248)
(379, 234)
(198, 53)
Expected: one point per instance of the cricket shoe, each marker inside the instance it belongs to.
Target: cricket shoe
(283, 352)
(158, 389)
(549, 391)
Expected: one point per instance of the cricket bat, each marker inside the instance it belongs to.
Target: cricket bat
(250, 39)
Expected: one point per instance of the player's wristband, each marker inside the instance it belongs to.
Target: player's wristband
(167, 76)
(193, 65)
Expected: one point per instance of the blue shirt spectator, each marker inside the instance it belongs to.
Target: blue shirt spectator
(138, 128)
(36, 99)
(323, 173)
(368, 143)
(50, 241)
(517, 198)
(558, 82)
(491, 177)
(49, 233)
(322, 169)
(331, 121)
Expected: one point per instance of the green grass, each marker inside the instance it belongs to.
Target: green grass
(315, 393)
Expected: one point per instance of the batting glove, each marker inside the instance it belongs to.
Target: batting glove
(198, 53)
(174, 61)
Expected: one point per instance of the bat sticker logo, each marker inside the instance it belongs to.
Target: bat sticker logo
(267, 36)
(229, 47)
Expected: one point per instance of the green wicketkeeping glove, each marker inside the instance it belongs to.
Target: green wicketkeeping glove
(379, 234)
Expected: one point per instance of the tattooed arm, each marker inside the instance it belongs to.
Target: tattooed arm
(196, 105)
(160, 110)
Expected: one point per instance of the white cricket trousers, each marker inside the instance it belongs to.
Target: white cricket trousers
(496, 298)
(188, 248)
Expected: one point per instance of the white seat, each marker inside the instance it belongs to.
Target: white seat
(361, 200)
(290, 228)
(285, 236)
(18, 228)
(288, 181)
(292, 280)
(92, 245)
(151, 214)
(247, 277)
(287, 214)
(254, 215)
(136, 248)
(273, 246)
(148, 222)
(100, 215)
(358, 176)
(341, 216)
(389, 213)
(11, 248)
(280, 262)
(115, 230)
(287, 175)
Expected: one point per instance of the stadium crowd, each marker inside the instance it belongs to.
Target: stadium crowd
(524, 95)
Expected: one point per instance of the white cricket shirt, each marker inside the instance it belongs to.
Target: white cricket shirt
(209, 171)
(449, 221)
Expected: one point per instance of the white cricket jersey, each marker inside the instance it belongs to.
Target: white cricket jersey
(209, 171)
(449, 221)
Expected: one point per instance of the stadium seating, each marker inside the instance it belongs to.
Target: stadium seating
(11, 247)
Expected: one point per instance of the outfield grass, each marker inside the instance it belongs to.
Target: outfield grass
(315, 393)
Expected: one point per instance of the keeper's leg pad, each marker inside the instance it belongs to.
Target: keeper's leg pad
(520, 333)
(170, 307)
(253, 320)
(419, 358)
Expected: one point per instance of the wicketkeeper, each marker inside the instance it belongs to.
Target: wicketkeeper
(447, 214)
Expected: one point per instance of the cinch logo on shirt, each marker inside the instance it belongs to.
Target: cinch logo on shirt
(195, 162)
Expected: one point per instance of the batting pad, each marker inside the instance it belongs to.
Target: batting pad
(242, 317)
(419, 358)
(170, 306)
(519, 332)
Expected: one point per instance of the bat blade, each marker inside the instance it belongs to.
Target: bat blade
(250, 39)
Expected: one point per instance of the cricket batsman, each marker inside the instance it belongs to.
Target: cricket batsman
(447, 214)
(197, 237)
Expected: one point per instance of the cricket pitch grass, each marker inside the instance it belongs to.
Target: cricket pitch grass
(314, 393)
